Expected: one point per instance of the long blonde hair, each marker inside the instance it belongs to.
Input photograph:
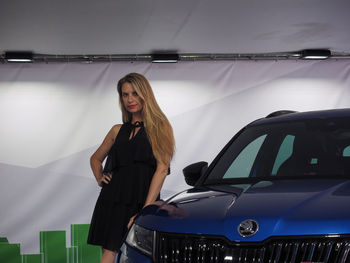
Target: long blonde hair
(158, 128)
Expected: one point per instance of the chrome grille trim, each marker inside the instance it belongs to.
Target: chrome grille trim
(188, 248)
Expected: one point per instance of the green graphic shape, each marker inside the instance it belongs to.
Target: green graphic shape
(9, 253)
(32, 258)
(53, 248)
(81, 251)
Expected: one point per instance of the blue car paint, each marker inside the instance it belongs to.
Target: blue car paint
(336, 113)
(282, 208)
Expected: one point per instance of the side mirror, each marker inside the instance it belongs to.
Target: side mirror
(193, 171)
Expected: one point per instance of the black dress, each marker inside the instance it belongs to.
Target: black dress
(132, 164)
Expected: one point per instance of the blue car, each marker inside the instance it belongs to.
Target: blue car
(279, 191)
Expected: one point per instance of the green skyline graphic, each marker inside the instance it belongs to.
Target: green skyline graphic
(53, 248)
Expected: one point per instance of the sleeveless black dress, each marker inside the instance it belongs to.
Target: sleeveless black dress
(132, 164)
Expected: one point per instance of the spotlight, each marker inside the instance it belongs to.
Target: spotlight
(18, 56)
(315, 54)
(165, 58)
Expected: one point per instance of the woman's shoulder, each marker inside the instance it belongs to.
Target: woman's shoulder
(115, 130)
(117, 127)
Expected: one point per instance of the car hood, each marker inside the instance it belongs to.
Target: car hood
(280, 207)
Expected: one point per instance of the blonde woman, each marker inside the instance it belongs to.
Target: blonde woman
(138, 157)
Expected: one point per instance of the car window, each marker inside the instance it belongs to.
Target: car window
(242, 165)
(285, 151)
(282, 150)
(346, 152)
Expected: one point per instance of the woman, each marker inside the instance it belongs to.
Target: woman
(139, 153)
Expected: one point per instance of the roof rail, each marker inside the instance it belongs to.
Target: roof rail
(279, 113)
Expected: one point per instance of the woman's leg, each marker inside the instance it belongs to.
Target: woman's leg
(108, 256)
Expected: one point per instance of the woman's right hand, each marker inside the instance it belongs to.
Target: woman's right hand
(104, 179)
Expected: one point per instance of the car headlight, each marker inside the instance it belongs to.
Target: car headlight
(141, 239)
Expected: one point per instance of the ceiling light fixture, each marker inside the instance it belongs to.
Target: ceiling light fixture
(315, 54)
(18, 56)
(165, 58)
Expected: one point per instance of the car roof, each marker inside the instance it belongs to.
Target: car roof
(301, 116)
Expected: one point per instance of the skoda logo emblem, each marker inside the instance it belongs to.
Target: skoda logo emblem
(248, 228)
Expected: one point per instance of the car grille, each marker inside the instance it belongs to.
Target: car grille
(204, 249)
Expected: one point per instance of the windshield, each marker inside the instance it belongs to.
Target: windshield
(316, 148)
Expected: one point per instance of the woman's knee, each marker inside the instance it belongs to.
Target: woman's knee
(109, 252)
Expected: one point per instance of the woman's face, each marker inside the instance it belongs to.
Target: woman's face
(132, 102)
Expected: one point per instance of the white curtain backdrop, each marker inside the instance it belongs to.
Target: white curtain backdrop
(54, 116)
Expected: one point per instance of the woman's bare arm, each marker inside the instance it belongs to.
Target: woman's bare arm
(155, 187)
(156, 183)
(97, 158)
